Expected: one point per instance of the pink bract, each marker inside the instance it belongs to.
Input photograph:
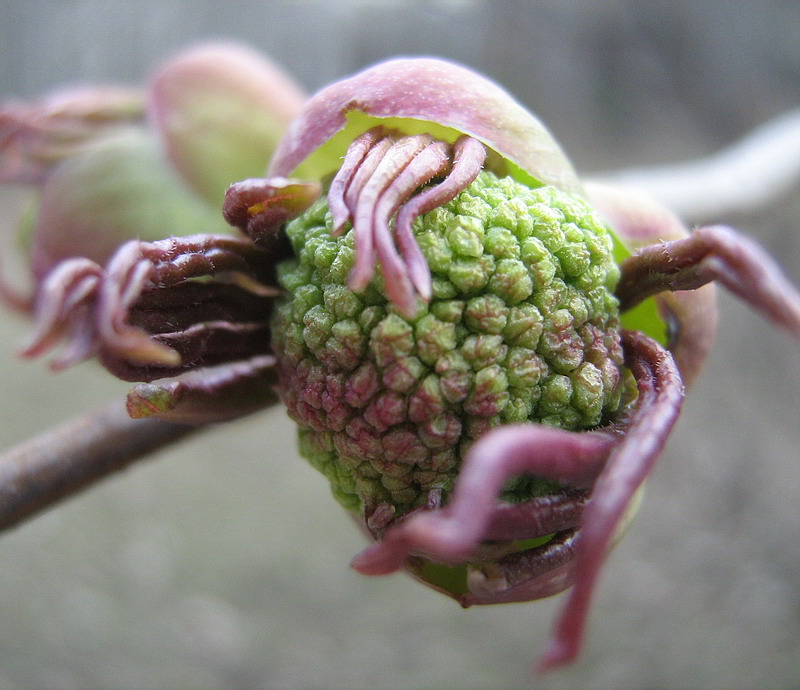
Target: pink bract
(438, 93)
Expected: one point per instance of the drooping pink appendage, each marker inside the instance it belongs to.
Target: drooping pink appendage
(404, 275)
(432, 161)
(399, 155)
(469, 156)
(660, 397)
(378, 176)
(713, 253)
(63, 307)
(341, 181)
(365, 258)
(453, 533)
(364, 247)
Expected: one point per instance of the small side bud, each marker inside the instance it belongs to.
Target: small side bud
(221, 110)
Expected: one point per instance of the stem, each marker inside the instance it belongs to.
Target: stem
(63, 461)
(744, 177)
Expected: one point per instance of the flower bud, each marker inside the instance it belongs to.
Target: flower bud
(36, 136)
(522, 325)
(220, 111)
(104, 174)
(115, 190)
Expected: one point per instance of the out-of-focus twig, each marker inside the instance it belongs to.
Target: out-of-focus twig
(65, 460)
(741, 178)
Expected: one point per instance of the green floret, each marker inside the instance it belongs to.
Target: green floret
(523, 326)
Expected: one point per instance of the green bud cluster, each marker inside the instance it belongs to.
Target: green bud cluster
(523, 326)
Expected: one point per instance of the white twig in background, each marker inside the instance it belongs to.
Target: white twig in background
(741, 178)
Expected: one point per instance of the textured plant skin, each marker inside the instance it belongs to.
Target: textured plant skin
(522, 326)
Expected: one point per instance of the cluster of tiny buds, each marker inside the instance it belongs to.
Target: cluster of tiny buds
(522, 324)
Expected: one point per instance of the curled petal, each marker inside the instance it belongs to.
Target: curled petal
(125, 280)
(379, 176)
(208, 395)
(63, 308)
(411, 272)
(147, 317)
(364, 241)
(140, 270)
(366, 221)
(259, 207)
(660, 397)
(340, 184)
(364, 171)
(713, 253)
(677, 267)
(468, 158)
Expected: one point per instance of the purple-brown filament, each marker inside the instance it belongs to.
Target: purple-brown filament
(613, 460)
(378, 178)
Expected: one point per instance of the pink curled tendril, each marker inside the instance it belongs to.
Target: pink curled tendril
(378, 179)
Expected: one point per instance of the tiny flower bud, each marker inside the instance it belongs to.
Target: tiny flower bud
(221, 110)
(115, 190)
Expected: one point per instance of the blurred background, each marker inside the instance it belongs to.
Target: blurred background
(223, 563)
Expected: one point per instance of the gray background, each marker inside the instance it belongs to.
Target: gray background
(223, 563)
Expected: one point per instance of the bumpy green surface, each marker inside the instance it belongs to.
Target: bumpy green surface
(523, 326)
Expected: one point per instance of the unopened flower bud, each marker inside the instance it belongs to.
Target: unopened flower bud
(522, 326)
(220, 110)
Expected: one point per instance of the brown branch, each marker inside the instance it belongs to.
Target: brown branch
(66, 460)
